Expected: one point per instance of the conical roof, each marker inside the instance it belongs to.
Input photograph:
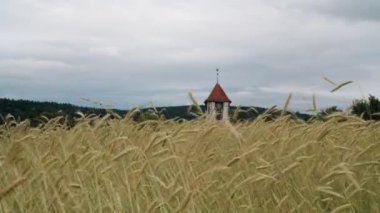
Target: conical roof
(217, 95)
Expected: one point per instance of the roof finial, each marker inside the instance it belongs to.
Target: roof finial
(217, 75)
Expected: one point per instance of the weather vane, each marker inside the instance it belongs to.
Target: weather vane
(217, 75)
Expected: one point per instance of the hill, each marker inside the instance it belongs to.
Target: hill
(35, 111)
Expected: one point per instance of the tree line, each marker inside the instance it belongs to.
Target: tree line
(19, 110)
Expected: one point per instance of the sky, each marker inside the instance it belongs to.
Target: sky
(128, 53)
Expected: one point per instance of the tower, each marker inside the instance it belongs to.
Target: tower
(218, 103)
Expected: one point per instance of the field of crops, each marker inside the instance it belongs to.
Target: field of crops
(118, 165)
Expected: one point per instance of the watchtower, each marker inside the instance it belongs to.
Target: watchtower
(218, 103)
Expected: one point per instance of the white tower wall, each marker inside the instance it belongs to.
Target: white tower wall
(212, 111)
(226, 107)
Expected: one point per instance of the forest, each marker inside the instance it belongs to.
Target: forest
(37, 112)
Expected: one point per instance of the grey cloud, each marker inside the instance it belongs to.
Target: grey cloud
(130, 53)
(352, 9)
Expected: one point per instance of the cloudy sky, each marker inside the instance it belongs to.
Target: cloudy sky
(133, 52)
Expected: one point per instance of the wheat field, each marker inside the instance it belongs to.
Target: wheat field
(118, 165)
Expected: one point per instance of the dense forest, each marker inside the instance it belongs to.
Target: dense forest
(37, 112)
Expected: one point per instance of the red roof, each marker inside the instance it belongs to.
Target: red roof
(218, 95)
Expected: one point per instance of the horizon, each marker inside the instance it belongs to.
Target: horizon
(135, 53)
(101, 105)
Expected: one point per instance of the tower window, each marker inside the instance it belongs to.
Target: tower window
(219, 106)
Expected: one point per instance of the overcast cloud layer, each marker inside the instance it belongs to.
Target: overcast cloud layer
(130, 53)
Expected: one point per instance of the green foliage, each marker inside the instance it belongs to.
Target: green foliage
(367, 109)
(328, 111)
(149, 115)
(331, 110)
(35, 111)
